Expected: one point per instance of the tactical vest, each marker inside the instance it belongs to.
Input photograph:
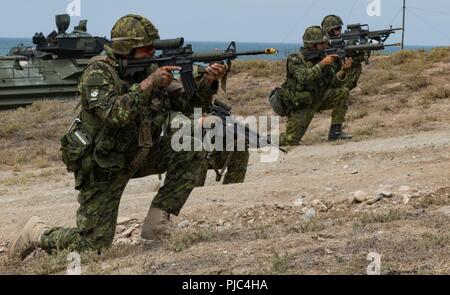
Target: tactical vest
(308, 93)
(91, 141)
(293, 92)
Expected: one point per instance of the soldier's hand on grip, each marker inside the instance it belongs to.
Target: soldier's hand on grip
(347, 64)
(215, 71)
(160, 78)
(328, 60)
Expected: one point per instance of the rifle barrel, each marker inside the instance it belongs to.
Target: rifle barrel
(205, 57)
(14, 57)
(212, 56)
(393, 45)
(267, 51)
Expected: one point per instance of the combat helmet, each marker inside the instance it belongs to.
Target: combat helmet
(331, 22)
(132, 31)
(314, 35)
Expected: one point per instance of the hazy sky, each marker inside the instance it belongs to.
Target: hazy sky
(226, 20)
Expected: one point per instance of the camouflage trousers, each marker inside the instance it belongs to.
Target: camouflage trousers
(353, 76)
(300, 118)
(236, 169)
(100, 195)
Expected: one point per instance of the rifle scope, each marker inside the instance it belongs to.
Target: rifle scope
(354, 26)
(168, 43)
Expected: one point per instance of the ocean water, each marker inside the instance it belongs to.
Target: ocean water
(284, 48)
(7, 43)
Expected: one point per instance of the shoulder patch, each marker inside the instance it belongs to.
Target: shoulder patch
(95, 80)
(296, 57)
(94, 93)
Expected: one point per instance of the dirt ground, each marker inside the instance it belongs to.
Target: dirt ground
(320, 209)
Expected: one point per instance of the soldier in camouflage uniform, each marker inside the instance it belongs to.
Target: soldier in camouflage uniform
(117, 137)
(332, 24)
(312, 86)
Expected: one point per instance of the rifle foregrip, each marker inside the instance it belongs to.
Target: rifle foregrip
(210, 56)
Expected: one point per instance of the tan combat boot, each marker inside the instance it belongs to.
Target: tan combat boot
(28, 238)
(156, 224)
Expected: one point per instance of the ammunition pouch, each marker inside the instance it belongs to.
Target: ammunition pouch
(74, 146)
(292, 95)
(111, 148)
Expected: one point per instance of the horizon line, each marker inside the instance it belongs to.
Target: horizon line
(256, 42)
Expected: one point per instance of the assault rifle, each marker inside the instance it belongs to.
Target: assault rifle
(361, 34)
(340, 48)
(232, 126)
(174, 53)
(355, 40)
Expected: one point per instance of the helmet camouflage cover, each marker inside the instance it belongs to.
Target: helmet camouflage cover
(331, 22)
(314, 35)
(132, 31)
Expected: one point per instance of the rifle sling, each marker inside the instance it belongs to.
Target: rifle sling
(219, 174)
(223, 82)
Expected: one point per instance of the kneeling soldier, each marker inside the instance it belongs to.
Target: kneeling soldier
(312, 86)
(118, 137)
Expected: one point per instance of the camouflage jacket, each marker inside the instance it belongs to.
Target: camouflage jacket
(113, 110)
(307, 81)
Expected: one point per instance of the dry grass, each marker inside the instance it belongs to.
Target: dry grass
(393, 93)
(280, 263)
(369, 217)
(372, 83)
(335, 242)
(397, 96)
(57, 263)
(438, 200)
(433, 241)
(440, 54)
(33, 177)
(395, 89)
(436, 92)
(30, 136)
(417, 82)
(183, 239)
(260, 68)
